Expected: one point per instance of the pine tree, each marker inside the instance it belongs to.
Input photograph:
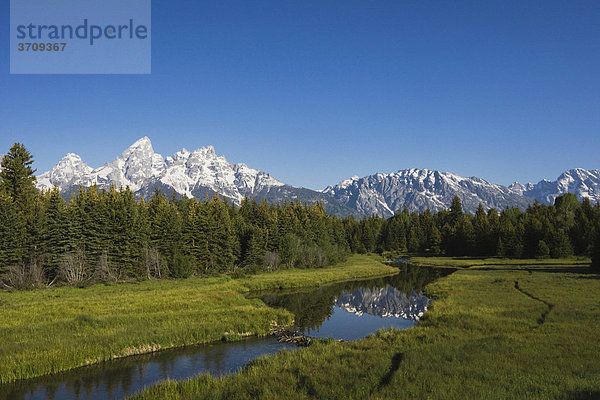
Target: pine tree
(435, 241)
(165, 234)
(17, 185)
(10, 229)
(566, 207)
(415, 238)
(482, 232)
(133, 232)
(122, 240)
(193, 232)
(289, 249)
(221, 235)
(534, 230)
(95, 224)
(17, 180)
(56, 238)
(36, 231)
(256, 246)
(456, 211)
(561, 245)
(582, 232)
(511, 231)
(500, 251)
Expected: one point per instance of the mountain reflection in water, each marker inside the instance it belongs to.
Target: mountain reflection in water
(352, 310)
(384, 302)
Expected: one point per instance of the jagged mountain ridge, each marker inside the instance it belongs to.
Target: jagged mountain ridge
(579, 181)
(384, 302)
(197, 173)
(419, 189)
(202, 173)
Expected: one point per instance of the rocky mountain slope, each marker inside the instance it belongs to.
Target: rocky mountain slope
(418, 189)
(578, 181)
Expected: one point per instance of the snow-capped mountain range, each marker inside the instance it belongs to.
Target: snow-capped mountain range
(582, 182)
(201, 172)
(419, 189)
(195, 173)
(140, 167)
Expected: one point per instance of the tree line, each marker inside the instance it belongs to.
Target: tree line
(110, 236)
(566, 228)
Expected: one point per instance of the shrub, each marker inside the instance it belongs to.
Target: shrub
(542, 250)
(28, 275)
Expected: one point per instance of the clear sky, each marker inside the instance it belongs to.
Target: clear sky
(317, 91)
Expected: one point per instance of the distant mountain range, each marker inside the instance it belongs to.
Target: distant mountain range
(582, 182)
(197, 173)
(201, 172)
(419, 189)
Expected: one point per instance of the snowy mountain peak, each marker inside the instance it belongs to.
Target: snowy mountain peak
(64, 174)
(345, 183)
(141, 149)
(143, 143)
(581, 182)
(72, 156)
(134, 167)
(194, 173)
(181, 155)
(519, 188)
(208, 150)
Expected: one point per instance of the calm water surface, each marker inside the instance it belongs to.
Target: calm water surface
(352, 310)
(119, 378)
(348, 311)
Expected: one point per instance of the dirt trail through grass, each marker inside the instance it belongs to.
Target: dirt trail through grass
(550, 306)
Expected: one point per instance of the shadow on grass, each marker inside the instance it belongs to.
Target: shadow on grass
(396, 361)
(591, 395)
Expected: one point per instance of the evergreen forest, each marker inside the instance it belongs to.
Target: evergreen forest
(111, 236)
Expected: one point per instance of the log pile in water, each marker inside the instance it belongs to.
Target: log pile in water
(286, 336)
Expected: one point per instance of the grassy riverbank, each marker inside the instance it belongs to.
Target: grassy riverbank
(499, 329)
(506, 263)
(52, 330)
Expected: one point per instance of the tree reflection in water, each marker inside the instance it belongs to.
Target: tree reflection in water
(399, 296)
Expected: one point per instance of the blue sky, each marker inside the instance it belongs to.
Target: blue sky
(317, 91)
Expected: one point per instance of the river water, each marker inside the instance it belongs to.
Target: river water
(347, 310)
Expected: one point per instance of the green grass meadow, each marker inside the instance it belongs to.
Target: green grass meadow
(46, 331)
(498, 329)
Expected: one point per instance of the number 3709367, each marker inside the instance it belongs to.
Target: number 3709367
(41, 46)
